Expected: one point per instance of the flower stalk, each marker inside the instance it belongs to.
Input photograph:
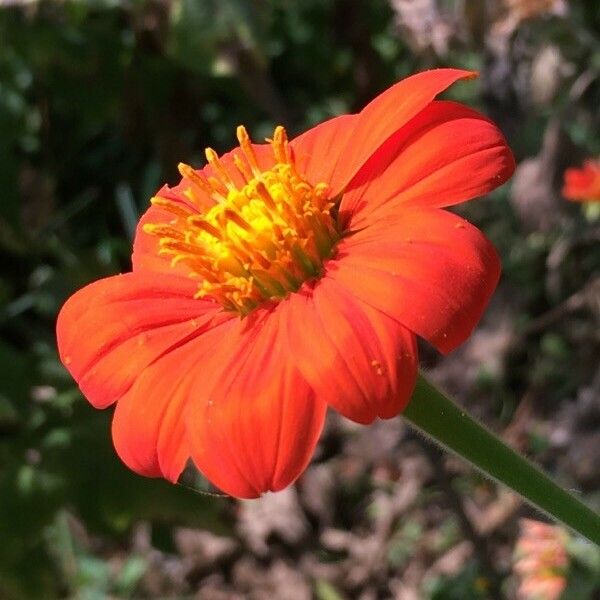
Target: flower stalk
(439, 418)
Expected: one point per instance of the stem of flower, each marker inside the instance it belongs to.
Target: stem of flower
(435, 415)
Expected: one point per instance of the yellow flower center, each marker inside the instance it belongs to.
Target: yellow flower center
(261, 239)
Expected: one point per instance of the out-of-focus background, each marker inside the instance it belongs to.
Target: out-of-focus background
(99, 101)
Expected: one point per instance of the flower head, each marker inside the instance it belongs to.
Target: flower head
(583, 185)
(541, 561)
(286, 277)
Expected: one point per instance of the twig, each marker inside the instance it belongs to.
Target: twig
(573, 302)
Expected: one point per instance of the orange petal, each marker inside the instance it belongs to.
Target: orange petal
(357, 359)
(317, 151)
(447, 154)
(429, 269)
(350, 141)
(255, 421)
(149, 430)
(583, 184)
(111, 330)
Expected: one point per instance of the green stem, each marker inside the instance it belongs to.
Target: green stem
(438, 417)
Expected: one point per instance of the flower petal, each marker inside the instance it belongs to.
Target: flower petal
(359, 360)
(149, 430)
(316, 152)
(340, 147)
(255, 421)
(447, 154)
(111, 330)
(582, 184)
(429, 269)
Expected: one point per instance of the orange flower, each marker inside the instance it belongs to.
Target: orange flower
(583, 185)
(541, 561)
(286, 277)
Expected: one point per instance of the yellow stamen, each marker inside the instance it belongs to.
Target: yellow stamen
(258, 242)
(199, 222)
(280, 145)
(213, 160)
(163, 231)
(242, 168)
(231, 215)
(169, 205)
(246, 146)
(263, 192)
(199, 181)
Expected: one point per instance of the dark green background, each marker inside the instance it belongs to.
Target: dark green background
(100, 100)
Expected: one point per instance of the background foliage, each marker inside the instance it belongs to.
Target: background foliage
(99, 101)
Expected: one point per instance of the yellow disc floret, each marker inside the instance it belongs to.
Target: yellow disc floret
(257, 235)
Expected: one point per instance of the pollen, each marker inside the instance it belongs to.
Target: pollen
(377, 367)
(249, 234)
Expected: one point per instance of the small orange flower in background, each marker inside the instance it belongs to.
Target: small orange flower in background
(583, 185)
(541, 561)
(286, 277)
